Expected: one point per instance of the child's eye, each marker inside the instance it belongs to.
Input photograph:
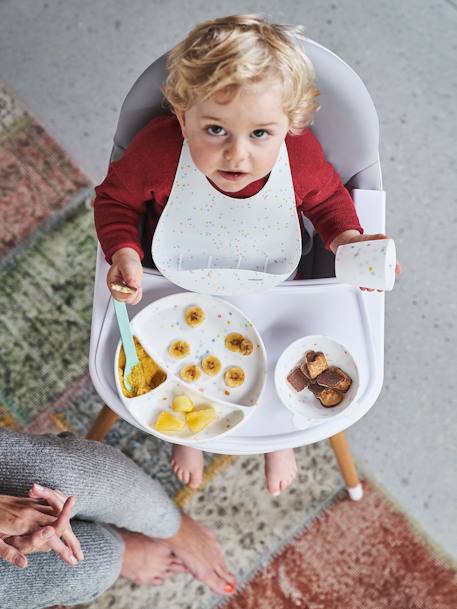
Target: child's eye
(260, 134)
(216, 130)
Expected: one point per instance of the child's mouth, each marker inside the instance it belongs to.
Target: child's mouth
(232, 175)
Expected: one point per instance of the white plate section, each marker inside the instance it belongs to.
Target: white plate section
(162, 322)
(146, 409)
(304, 403)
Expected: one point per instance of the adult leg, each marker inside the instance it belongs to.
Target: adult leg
(49, 581)
(107, 485)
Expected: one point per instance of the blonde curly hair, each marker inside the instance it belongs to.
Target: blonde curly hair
(221, 55)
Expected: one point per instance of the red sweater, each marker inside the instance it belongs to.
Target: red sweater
(141, 181)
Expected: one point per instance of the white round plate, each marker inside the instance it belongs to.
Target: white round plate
(303, 403)
(162, 322)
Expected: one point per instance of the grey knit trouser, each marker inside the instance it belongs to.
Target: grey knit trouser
(109, 488)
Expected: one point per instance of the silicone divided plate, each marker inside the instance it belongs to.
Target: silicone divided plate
(161, 323)
(303, 404)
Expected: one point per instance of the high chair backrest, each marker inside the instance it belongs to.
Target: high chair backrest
(346, 124)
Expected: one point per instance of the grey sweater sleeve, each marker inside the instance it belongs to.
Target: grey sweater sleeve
(109, 487)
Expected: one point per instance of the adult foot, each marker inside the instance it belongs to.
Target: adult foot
(148, 561)
(187, 463)
(199, 550)
(280, 470)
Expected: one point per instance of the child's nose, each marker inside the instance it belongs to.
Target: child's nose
(235, 152)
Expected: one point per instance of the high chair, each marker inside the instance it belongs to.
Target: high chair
(347, 128)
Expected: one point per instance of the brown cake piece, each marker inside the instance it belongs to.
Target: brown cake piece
(298, 380)
(335, 378)
(315, 388)
(329, 397)
(314, 364)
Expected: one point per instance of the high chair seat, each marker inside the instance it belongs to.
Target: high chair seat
(347, 127)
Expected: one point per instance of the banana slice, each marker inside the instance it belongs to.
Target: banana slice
(194, 316)
(190, 373)
(234, 377)
(179, 349)
(211, 365)
(246, 347)
(233, 341)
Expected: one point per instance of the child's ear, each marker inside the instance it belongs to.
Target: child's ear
(182, 123)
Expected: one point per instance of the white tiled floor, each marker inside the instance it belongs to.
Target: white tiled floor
(73, 62)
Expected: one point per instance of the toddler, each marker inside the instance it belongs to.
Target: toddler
(238, 89)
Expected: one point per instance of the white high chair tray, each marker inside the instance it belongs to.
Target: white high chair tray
(281, 316)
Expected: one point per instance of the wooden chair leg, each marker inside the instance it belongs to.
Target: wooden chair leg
(348, 470)
(102, 424)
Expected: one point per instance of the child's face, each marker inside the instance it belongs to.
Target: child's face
(238, 142)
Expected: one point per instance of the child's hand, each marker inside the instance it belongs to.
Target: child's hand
(126, 270)
(351, 236)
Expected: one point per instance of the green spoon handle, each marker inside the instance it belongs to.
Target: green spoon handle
(126, 337)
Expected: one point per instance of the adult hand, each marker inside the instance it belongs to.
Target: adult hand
(57, 500)
(126, 270)
(43, 539)
(197, 547)
(352, 236)
(20, 515)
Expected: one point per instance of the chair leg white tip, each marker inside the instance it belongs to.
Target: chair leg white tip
(355, 492)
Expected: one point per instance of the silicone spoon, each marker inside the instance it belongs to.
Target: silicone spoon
(131, 358)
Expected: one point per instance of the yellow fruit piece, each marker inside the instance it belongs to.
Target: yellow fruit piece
(182, 403)
(199, 419)
(246, 347)
(194, 316)
(167, 422)
(233, 341)
(190, 373)
(211, 365)
(234, 377)
(179, 349)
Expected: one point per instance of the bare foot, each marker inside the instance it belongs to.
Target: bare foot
(187, 463)
(199, 550)
(280, 470)
(148, 561)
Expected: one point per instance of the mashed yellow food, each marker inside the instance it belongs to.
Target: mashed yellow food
(143, 378)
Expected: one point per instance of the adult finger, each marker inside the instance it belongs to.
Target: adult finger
(63, 521)
(55, 499)
(63, 551)
(63, 528)
(35, 542)
(12, 555)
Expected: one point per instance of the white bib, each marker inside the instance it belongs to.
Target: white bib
(211, 243)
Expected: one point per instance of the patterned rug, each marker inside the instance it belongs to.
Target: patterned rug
(310, 548)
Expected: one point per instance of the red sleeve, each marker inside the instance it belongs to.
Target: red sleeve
(321, 195)
(117, 213)
(142, 176)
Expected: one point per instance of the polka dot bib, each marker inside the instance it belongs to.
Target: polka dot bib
(211, 243)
